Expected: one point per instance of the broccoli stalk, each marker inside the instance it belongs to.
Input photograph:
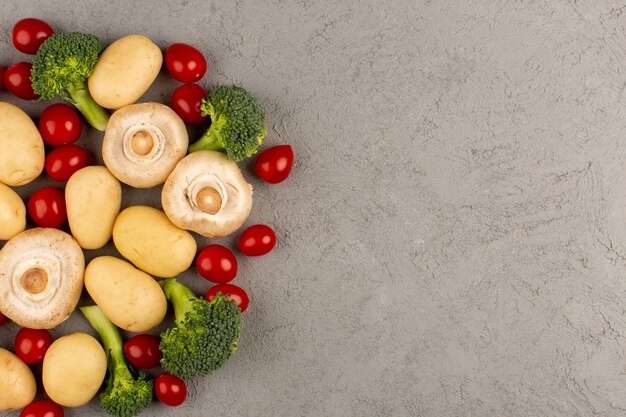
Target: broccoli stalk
(61, 68)
(127, 392)
(204, 335)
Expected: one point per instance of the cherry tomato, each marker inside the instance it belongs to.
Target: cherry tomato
(170, 390)
(274, 164)
(64, 161)
(184, 62)
(29, 34)
(60, 124)
(2, 78)
(143, 351)
(3, 319)
(257, 240)
(47, 207)
(42, 408)
(31, 344)
(217, 264)
(17, 81)
(186, 101)
(236, 293)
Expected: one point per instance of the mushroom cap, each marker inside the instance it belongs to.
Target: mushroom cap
(200, 171)
(143, 142)
(41, 277)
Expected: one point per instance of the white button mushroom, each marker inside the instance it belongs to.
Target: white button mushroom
(143, 142)
(207, 193)
(41, 277)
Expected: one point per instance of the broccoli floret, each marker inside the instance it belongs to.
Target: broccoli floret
(61, 68)
(237, 123)
(204, 335)
(127, 391)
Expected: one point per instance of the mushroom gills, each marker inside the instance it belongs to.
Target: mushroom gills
(36, 279)
(144, 143)
(208, 193)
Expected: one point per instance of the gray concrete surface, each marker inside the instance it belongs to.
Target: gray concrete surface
(452, 241)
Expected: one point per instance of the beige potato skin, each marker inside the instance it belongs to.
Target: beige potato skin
(124, 71)
(93, 198)
(12, 213)
(73, 369)
(21, 147)
(130, 298)
(146, 237)
(17, 383)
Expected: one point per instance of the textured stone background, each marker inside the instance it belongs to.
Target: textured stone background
(453, 236)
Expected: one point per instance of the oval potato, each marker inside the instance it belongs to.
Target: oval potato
(17, 383)
(12, 213)
(130, 298)
(73, 369)
(125, 71)
(21, 147)
(146, 237)
(93, 197)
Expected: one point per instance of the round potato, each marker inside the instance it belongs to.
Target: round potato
(12, 213)
(146, 237)
(73, 369)
(21, 147)
(130, 298)
(93, 197)
(124, 71)
(17, 383)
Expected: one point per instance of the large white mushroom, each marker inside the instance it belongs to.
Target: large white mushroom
(41, 277)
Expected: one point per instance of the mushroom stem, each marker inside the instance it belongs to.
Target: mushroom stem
(34, 280)
(142, 142)
(209, 200)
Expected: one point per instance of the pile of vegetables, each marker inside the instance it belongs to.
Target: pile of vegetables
(204, 196)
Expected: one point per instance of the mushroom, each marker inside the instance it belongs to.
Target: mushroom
(41, 277)
(206, 193)
(143, 142)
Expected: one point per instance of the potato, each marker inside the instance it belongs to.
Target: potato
(73, 369)
(12, 213)
(93, 197)
(124, 71)
(146, 237)
(17, 383)
(130, 298)
(21, 147)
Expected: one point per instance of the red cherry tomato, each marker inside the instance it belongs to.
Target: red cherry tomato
(184, 62)
(3, 319)
(31, 344)
(186, 101)
(60, 124)
(17, 81)
(29, 34)
(143, 351)
(257, 240)
(64, 161)
(274, 164)
(47, 207)
(2, 78)
(236, 293)
(170, 390)
(43, 408)
(217, 264)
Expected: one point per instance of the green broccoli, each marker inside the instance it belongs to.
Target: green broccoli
(204, 335)
(61, 68)
(237, 123)
(127, 392)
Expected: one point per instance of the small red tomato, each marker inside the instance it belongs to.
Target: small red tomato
(170, 390)
(236, 293)
(17, 81)
(143, 351)
(29, 34)
(184, 62)
(60, 124)
(42, 408)
(31, 344)
(64, 161)
(3, 319)
(47, 207)
(217, 264)
(2, 78)
(257, 240)
(186, 101)
(274, 164)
